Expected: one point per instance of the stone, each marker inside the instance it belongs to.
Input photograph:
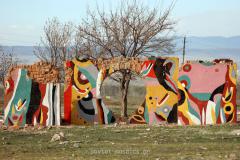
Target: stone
(61, 134)
(203, 148)
(76, 145)
(233, 156)
(148, 129)
(63, 142)
(56, 137)
(236, 132)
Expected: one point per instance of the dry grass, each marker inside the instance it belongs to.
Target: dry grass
(123, 142)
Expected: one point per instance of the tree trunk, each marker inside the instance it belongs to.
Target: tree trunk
(124, 92)
(2, 81)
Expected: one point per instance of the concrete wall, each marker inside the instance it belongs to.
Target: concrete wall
(83, 98)
(32, 97)
(208, 93)
(160, 76)
(82, 102)
(201, 93)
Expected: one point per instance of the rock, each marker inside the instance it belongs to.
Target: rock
(203, 148)
(148, 129)
(56, 137)
(236, 132)
(64, 142)
(232, 156)
(61, 134)
(76, 145)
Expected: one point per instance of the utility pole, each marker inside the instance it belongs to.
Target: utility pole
(184, 49)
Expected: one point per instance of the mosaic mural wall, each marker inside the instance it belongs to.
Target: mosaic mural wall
(82, 100)
(207, 93)
(160, 76)
(27, 101)
(184, 98)
(198, 93)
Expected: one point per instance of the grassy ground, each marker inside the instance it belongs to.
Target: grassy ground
(123, 142)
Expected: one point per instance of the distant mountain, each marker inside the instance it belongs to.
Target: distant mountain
(209, 48)
(24, 53)
(205, 48)
(210, 42)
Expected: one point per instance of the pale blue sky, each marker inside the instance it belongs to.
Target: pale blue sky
(21, 21)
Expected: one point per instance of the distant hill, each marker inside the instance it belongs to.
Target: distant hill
(211, 42)
(24, 53)
(209, 48)
(205, 48)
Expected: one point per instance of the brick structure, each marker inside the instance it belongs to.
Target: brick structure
(118, 63)
(41, 72)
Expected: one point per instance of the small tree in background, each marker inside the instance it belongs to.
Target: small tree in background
(7, 60)
(56, 42)
(132, 30)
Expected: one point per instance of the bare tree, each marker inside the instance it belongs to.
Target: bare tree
(56, 42)
(7, 60)
(133, 30)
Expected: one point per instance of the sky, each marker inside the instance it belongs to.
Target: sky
(22, 21)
